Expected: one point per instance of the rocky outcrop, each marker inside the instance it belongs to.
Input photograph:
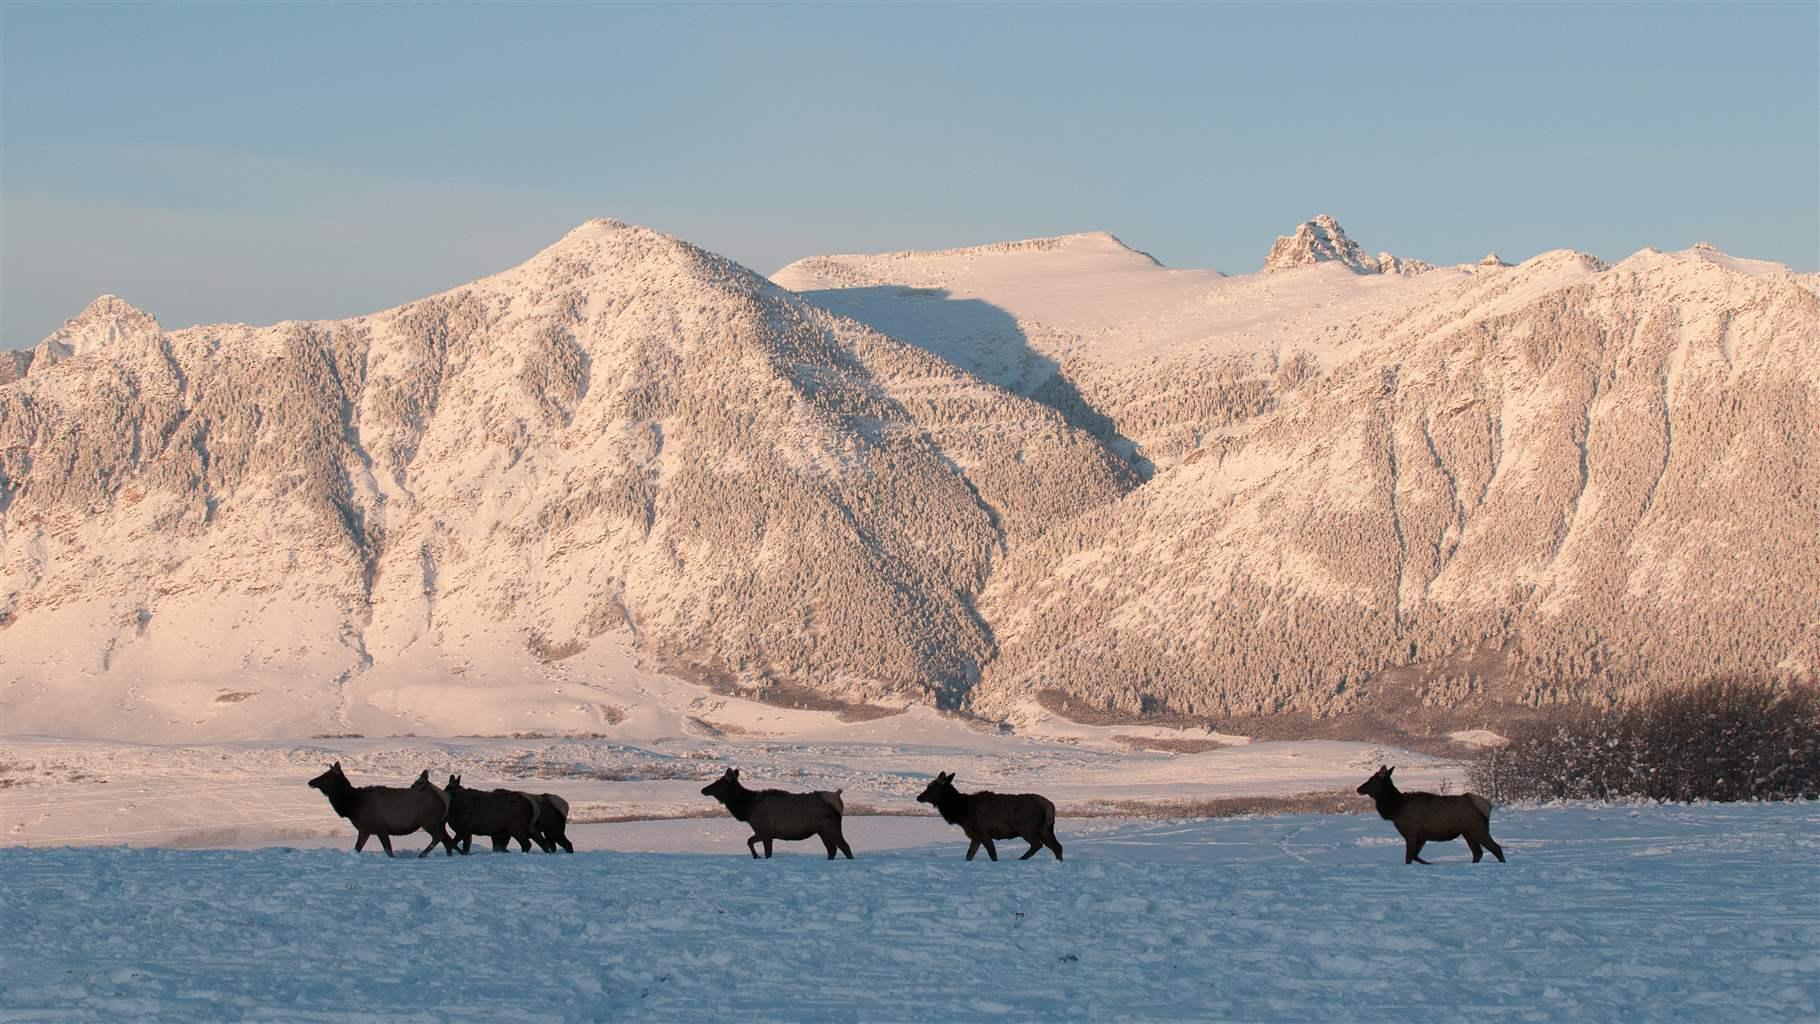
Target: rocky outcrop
(1321, 240)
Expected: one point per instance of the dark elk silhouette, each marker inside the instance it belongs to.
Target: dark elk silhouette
(549, 829)
(500, 814)
(424, 785)
(385, 811)
(1429, 817)
(775, 814)
(987, 816)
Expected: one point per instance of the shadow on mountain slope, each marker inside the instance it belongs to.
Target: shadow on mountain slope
(979, 337)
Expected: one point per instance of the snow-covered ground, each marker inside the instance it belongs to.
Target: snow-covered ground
(1648, 913)
(249, 904)
(80, 792)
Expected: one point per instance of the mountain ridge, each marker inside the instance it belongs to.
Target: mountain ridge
(414, 466)
(1007, 478)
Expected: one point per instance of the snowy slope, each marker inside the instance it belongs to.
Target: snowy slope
(413, 519)
(1403, 499)
(1693, 914)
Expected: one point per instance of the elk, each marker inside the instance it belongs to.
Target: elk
(424, 784)
(385, 811)
(550, 829)
(1429, 817)
(987, 816)
(501, 814)
(775, 814)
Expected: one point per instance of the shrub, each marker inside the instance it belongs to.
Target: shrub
(1723, 740)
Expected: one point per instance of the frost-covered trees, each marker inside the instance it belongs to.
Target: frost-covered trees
(1719, 740)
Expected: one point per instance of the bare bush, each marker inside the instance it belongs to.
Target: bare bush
(1724, 740)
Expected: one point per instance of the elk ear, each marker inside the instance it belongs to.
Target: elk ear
(733, 772)
(1387, 772)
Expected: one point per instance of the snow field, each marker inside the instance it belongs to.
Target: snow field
(1649, 913)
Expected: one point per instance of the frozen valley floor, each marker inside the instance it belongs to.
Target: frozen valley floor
(1703, 913)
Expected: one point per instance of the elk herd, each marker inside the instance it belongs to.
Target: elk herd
(454, 814)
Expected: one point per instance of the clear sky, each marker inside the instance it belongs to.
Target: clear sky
(262, 162)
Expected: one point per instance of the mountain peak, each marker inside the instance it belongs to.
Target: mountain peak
(107, 308)
(1322, 240)
(607, 249)
(103, 322)
(598, 229)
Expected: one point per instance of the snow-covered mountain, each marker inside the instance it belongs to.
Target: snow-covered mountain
(1405, 497)
(322, 526)
(1036, 475)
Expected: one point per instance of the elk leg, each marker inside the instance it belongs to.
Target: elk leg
(828, 841)
(434, 843)
(991, 851)
(524, 843)
(1411, 847)
(752, 844)
(767, 847)
(972, 848)
(1473, 845)
(1053, 843)
(501, 842)
(844, 848)
(1035, 845)
(1496, 850)
(386, 841)
(361, 843)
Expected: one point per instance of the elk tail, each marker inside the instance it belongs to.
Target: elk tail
(561, 805)
(1481, 804)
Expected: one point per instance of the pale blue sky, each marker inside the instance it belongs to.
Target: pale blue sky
(257, 163)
